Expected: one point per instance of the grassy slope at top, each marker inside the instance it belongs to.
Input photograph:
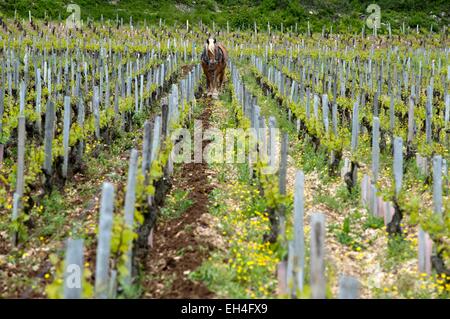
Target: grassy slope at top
(342, 15)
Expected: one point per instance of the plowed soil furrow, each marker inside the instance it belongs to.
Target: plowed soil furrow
(180, 244)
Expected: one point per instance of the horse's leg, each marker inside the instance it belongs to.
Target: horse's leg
(222, 74)
(214, 85)
(217, 83)
(208, 79)
(208, 84)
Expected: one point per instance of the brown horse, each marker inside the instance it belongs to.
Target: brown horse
(214, 61)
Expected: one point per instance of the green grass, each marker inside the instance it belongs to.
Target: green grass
(328, 200)
(398, 251)
(341, 15)
(343, 235)
(342, 200)
(218, 277)
(176, 204)
(373, 222)
(311, 160)
(219, 273)
(53, 215)
(349, 234)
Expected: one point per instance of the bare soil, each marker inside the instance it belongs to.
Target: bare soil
(178, 245)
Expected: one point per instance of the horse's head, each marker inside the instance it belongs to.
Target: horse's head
(211, 51)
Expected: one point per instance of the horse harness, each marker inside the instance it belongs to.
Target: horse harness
(218, 57)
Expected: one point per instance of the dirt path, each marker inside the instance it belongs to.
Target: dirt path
(180, 245)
